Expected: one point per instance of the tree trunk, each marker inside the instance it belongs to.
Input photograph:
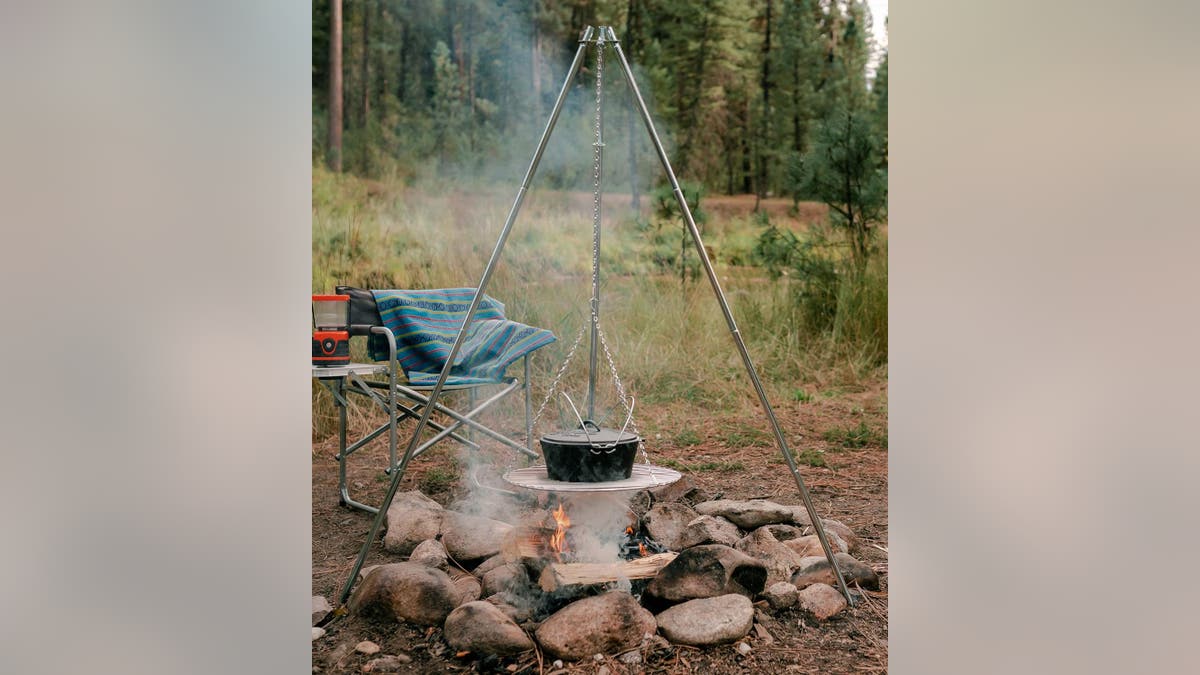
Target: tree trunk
(764, 141)
(365, 112)
(335, 86)
(631, 26)
(402, 84)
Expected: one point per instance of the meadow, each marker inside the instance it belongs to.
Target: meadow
(659, 315)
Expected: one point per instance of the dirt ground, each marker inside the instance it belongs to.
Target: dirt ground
(852, 488)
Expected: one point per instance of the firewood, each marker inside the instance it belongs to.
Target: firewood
(526, 542)
(559, 575)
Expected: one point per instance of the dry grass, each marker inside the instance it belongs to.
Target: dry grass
(668, 338)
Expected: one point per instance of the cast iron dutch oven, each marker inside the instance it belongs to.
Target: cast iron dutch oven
(590, 454)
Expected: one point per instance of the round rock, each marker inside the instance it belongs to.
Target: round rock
(708, 621)
(704, 572)
(747, 514)
(366, 647)
(816, 569)
(666, 523)
(482, 628)
(821, 600)
(406, 591)
(604, 624)
(709, 530)
(780, 595)
(411, 519)
(430, 553)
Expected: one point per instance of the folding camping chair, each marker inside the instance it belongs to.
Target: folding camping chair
(410, 331)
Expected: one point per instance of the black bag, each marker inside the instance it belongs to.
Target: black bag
(364, 313)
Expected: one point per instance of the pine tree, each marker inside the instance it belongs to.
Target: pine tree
(879, 106)
(843, 171)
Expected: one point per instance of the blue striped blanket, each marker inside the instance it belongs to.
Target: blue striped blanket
(426, 324)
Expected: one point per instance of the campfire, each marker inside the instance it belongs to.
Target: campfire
(569, 558)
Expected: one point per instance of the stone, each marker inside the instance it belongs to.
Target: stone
(603, 670)
(780, 595)
(683, 491)
(606, 623)
(336, 657)
(633, 658)
(800, 516)
(320, 608)
(481, 627)
(557, 663)
(366, 647)
(821, 601)
(810, 545)
(318, 633)
(362, 574)
(709, 530)
(784, 532)
(431, 553)
(849, 539)
(490, 564)
(469, 588)
(779, 560)
(666, 522)
(705, 571)
(411, 519)
(387, 664)
(469, 539)
(518, 613)
(708, 621)
(816, 569)
(746, 514)
(507, 577)
(743, 649)
(406, 591)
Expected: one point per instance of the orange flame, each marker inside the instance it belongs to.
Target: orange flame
(642, 549)
(558, 541)
(629, 531)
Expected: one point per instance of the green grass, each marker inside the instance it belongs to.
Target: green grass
(812, 458)
(668, 338)
(687, 437)
(801, 396)
(744, 436)
(855, 437)
(437, 479)
(809, 457)
(702, 466)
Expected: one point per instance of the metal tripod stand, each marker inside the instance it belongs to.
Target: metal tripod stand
(600, 37)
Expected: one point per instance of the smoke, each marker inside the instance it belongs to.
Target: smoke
(598, 522)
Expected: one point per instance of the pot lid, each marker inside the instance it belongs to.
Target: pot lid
(594, 436)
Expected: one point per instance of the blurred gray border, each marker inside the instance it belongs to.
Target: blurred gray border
(156, 188)
(1043, 319)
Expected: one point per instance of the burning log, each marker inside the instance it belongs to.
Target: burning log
(528, 543)
(560, 575)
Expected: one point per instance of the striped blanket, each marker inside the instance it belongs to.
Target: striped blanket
(426, 324)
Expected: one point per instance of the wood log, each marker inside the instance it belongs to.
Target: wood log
(559, 575)
(527, 543)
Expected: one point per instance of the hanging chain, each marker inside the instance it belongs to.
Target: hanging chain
(558, 377)
(624, 397)
(597, 149)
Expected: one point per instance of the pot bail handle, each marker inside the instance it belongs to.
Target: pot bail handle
(582, 423)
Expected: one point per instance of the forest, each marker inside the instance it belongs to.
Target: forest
(742, 90)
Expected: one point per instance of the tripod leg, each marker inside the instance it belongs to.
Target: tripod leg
(462, 333)
(733, 329)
